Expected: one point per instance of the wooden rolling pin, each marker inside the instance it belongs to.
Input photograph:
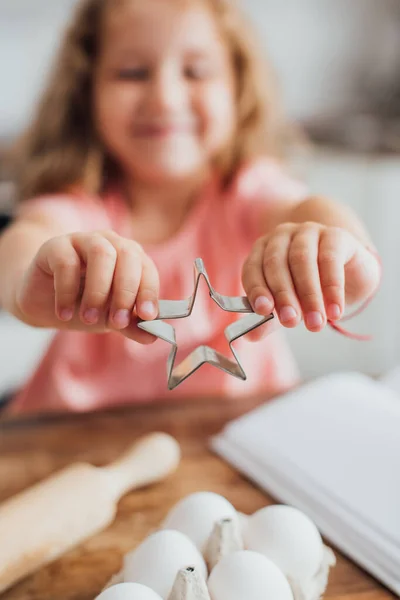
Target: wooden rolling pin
(40, 524)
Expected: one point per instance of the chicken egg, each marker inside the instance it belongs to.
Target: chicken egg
(288, 537)
(157, 560)
(128, 591)
(196, 515)
(250, 576)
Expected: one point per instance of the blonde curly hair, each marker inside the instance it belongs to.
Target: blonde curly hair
(60, 149)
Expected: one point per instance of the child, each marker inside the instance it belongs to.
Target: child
(156, 143)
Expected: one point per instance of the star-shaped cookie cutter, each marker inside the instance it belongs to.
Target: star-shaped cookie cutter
(178, 309)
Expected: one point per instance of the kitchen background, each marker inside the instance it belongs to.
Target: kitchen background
(339, 67)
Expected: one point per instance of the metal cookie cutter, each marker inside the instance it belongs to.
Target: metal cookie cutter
(178, 309)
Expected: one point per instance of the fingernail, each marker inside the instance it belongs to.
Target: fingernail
(91, 315)
(148, 308)
(314, 319)
(287, 313)
(66, 314)
(263, 305)
(334, 312)
(122, 318)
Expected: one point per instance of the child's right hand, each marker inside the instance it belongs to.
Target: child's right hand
(92, 281)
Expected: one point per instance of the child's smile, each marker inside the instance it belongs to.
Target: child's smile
(161, 131)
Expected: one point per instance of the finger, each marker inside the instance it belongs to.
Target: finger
(149, 289)
(332, 255)
(363, 272)
(254, 283)
(127, 276)
(100, 257)
(279, 278)
(303, 264)
(65, 265)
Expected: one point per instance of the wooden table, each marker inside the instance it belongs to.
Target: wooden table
(32, 450)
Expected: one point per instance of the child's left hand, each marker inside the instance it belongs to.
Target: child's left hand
(308, 271)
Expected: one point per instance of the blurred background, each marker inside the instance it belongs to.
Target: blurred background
(338, 63)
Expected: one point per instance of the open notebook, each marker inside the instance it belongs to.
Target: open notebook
(332, 449)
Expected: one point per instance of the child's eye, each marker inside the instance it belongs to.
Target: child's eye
(197, 72)
(133, 74)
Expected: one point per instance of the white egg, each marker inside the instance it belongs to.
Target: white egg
(288, 537)
(250, 576)
(157, 560)
(128, 591)
(196, 515)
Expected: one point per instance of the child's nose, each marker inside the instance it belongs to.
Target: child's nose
(168, 92)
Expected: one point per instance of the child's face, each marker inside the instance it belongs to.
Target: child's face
(164, 90)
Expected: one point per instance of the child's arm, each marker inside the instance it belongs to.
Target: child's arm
(313, 259)
(51, 279)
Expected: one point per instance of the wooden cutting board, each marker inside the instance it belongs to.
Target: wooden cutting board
(31, 450)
